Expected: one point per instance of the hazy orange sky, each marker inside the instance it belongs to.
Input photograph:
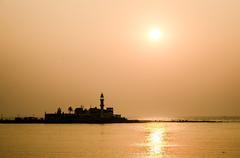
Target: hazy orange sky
(66, 52)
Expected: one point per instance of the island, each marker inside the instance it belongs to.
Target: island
(77, 115)
(92, 115)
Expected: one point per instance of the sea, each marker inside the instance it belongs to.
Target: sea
(123, 140)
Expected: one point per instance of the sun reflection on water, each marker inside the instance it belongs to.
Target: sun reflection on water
(156, 141)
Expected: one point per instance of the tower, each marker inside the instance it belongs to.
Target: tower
(102, 101)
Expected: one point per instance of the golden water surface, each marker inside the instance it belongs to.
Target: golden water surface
(143, 140)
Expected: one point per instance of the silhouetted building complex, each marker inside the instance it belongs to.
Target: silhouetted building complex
(82, 115)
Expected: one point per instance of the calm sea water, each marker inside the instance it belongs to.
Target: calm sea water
(143, 140)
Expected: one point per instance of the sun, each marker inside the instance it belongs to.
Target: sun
(154, 34)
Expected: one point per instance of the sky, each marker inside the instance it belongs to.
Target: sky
(57, 53)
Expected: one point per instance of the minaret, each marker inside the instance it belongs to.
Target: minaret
(102, 102)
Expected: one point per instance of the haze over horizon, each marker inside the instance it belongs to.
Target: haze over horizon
(60, 53)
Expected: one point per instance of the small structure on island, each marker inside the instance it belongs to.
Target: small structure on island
(83, 115)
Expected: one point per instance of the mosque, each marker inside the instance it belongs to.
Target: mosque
(83, 115)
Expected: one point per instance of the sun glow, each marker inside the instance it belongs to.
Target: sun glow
(156, 137)
(156, 141)
(155, 34)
